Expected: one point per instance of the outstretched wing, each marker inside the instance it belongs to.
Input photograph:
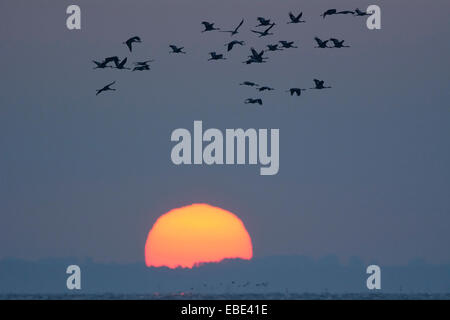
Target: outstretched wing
(128, 43)
(254, 52)
(107, 86)
(114, 59)
(291, 16)
(258, 32)
(271, 26)
(122, 63)
(240, 24)
(134, 39)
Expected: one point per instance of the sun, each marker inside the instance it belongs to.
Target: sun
(195, 234)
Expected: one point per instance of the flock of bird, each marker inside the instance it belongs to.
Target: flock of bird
(262, 29)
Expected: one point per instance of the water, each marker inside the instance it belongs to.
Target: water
(231, 296)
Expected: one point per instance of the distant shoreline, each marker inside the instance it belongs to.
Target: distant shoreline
(232, 296)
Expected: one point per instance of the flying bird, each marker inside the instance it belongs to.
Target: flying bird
(209, 26)
(106, 88)
(231, 44)
(329, 13)
(176, 49)
(235, 31)
(253, 101)
(287, 44)
(338, 44)
(256, 57)
(297, 91)
(265, 88)
(215, 56)
(296, 19)
(263, 22)
(274, 47)
(130, 42)
(265, 32)
(319, 84)
(321, 43)
(249, 83)
(360, 13)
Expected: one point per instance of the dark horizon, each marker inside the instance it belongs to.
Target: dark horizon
(297, 275)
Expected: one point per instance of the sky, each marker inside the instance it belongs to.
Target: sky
(363, 166)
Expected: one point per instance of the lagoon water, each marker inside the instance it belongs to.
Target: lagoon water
(231, 296)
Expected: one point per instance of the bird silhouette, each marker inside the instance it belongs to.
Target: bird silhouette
(176, 49)
(231, 44)
(256, 57)
(263, 22)
(253, 101)
(249, 83)
(265, 88)
(235, 31)
(209, 26)
(297, 91)
(287, 44)
(329, 12)
(106, 88)
(360, 13)
(319, 84)
(338, 44)
(321, 43)
(215, 56)
(130, 42)
(296, 19)
(265, 32)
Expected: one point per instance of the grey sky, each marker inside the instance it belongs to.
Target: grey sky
(364, 167)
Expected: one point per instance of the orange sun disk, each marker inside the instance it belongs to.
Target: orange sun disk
(195, 234)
